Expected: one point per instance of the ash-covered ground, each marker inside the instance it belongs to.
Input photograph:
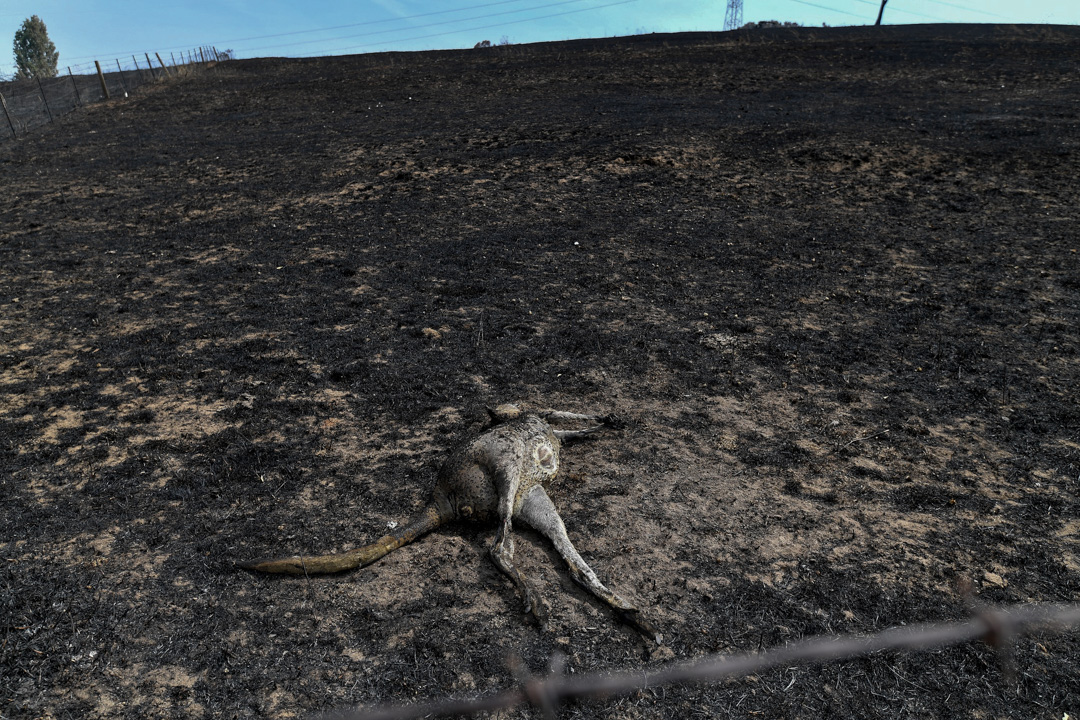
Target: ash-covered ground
(829, 280)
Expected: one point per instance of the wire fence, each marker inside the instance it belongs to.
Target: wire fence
(28, 104)
(997, 627)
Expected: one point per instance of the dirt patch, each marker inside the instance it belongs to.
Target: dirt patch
(827, 278)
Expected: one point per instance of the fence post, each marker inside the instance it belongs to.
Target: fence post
(75, 85)
(101, 77)
(44, 99)
(123, 81)
(150, 65)
(158, 56)
(8, 115)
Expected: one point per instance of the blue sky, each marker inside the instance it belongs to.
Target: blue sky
(84, 30)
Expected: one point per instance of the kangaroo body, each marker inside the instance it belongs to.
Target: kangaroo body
(497, 477)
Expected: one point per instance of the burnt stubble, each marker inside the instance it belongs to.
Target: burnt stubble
(826, 278)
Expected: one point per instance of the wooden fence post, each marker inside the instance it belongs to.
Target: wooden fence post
(158, 56)
(881, 12)
(122, 80)
(150, 65)
(8, 115)
(78, 97)
(101, 77)
(44, 99)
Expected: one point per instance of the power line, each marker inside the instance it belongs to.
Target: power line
(814, 4)
(474, 29)
(373, 22)
(890, 9)
(402, 18)
(436, 24)
(969, 9)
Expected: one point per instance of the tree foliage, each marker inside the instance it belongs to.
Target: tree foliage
(35, 54)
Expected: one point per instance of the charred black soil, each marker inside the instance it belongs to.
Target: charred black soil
(827, 278)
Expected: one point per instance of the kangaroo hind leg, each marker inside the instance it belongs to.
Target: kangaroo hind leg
(539, 512)
(502, 554)
(553, 417)
(565, 435)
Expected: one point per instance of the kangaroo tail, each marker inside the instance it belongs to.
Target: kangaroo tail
(432, 517)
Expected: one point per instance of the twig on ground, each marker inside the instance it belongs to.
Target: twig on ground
(864, 437)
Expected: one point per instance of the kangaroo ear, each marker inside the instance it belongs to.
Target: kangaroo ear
(504, 412)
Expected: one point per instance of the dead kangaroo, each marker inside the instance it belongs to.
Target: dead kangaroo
(498, 476)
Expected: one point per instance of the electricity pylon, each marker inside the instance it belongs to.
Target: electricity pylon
(733, 16)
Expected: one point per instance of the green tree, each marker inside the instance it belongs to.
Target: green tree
(35, 54)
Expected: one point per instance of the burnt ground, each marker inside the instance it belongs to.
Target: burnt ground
(829, 280)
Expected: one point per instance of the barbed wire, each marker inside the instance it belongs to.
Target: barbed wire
(30, 103)
(997, 627)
